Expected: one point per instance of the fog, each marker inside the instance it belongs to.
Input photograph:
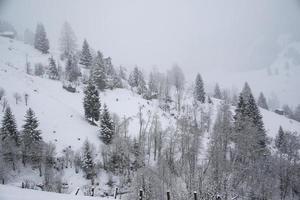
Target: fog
(195, 34)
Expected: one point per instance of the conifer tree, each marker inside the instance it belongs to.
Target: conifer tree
(41, 42)
(53, 70)
(9, 139)
(8, 129)
(107, 127)
(133, 78)
(72, 71)
(136, 79)
(112, 78)
(31, 138)
(262, 102)
(87, 161)
(280, 142)
(98, 73)
(152, 85)
(247, 111)
(199, 89)
(217, 92)
(86, 57)
(91, 102)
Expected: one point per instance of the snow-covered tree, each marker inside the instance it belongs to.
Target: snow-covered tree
(122, 73)
(52, 178)
(199, 89)
(31, 138)
(136, 80)
(107, 129)
(262, 102)
(217, 92)
(98, 73)
(9, 139)
(153, 84)
(9, 128)
(280, 142)
(218, 150)
(91, 102)
(87, 160)
(72, 71)
(41, 41)
(247, 111)
(113, 80)
(85, 56)
(67, 41)
(52, 69)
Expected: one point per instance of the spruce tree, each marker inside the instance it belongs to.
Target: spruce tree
(53, 70)
(141, 88)
(91, 102)
(9, 139)
(136, 79)
(152, 86)
(107, 127)
(31, 138)
(199, 89)
(98, 73)
(31, 133)
(262, 102)
(217, 92)
(248, 114)
(86, 57)
(41, 42)
(9, 128)
(87, 161)
(72, 71)
(133, 79)
(280, 141)
(112, 78)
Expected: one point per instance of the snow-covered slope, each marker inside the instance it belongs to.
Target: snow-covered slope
(61, 113)
(14, 193)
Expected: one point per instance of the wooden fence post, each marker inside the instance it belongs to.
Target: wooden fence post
(77, 191)
(93, 191)
(116, 192)
(141, 195)
(195, 195)
(168, 195)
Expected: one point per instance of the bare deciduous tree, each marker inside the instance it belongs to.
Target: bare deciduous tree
(17, 97)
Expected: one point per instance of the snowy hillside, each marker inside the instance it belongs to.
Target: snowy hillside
(62, 120)
(49, 100)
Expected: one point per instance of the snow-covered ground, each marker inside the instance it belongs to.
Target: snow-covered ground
(15, 193)
(61, 114)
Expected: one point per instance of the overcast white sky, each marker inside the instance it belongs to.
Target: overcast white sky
(196, 34)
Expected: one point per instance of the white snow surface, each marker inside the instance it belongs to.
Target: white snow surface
(15, 193)
(61, 113)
